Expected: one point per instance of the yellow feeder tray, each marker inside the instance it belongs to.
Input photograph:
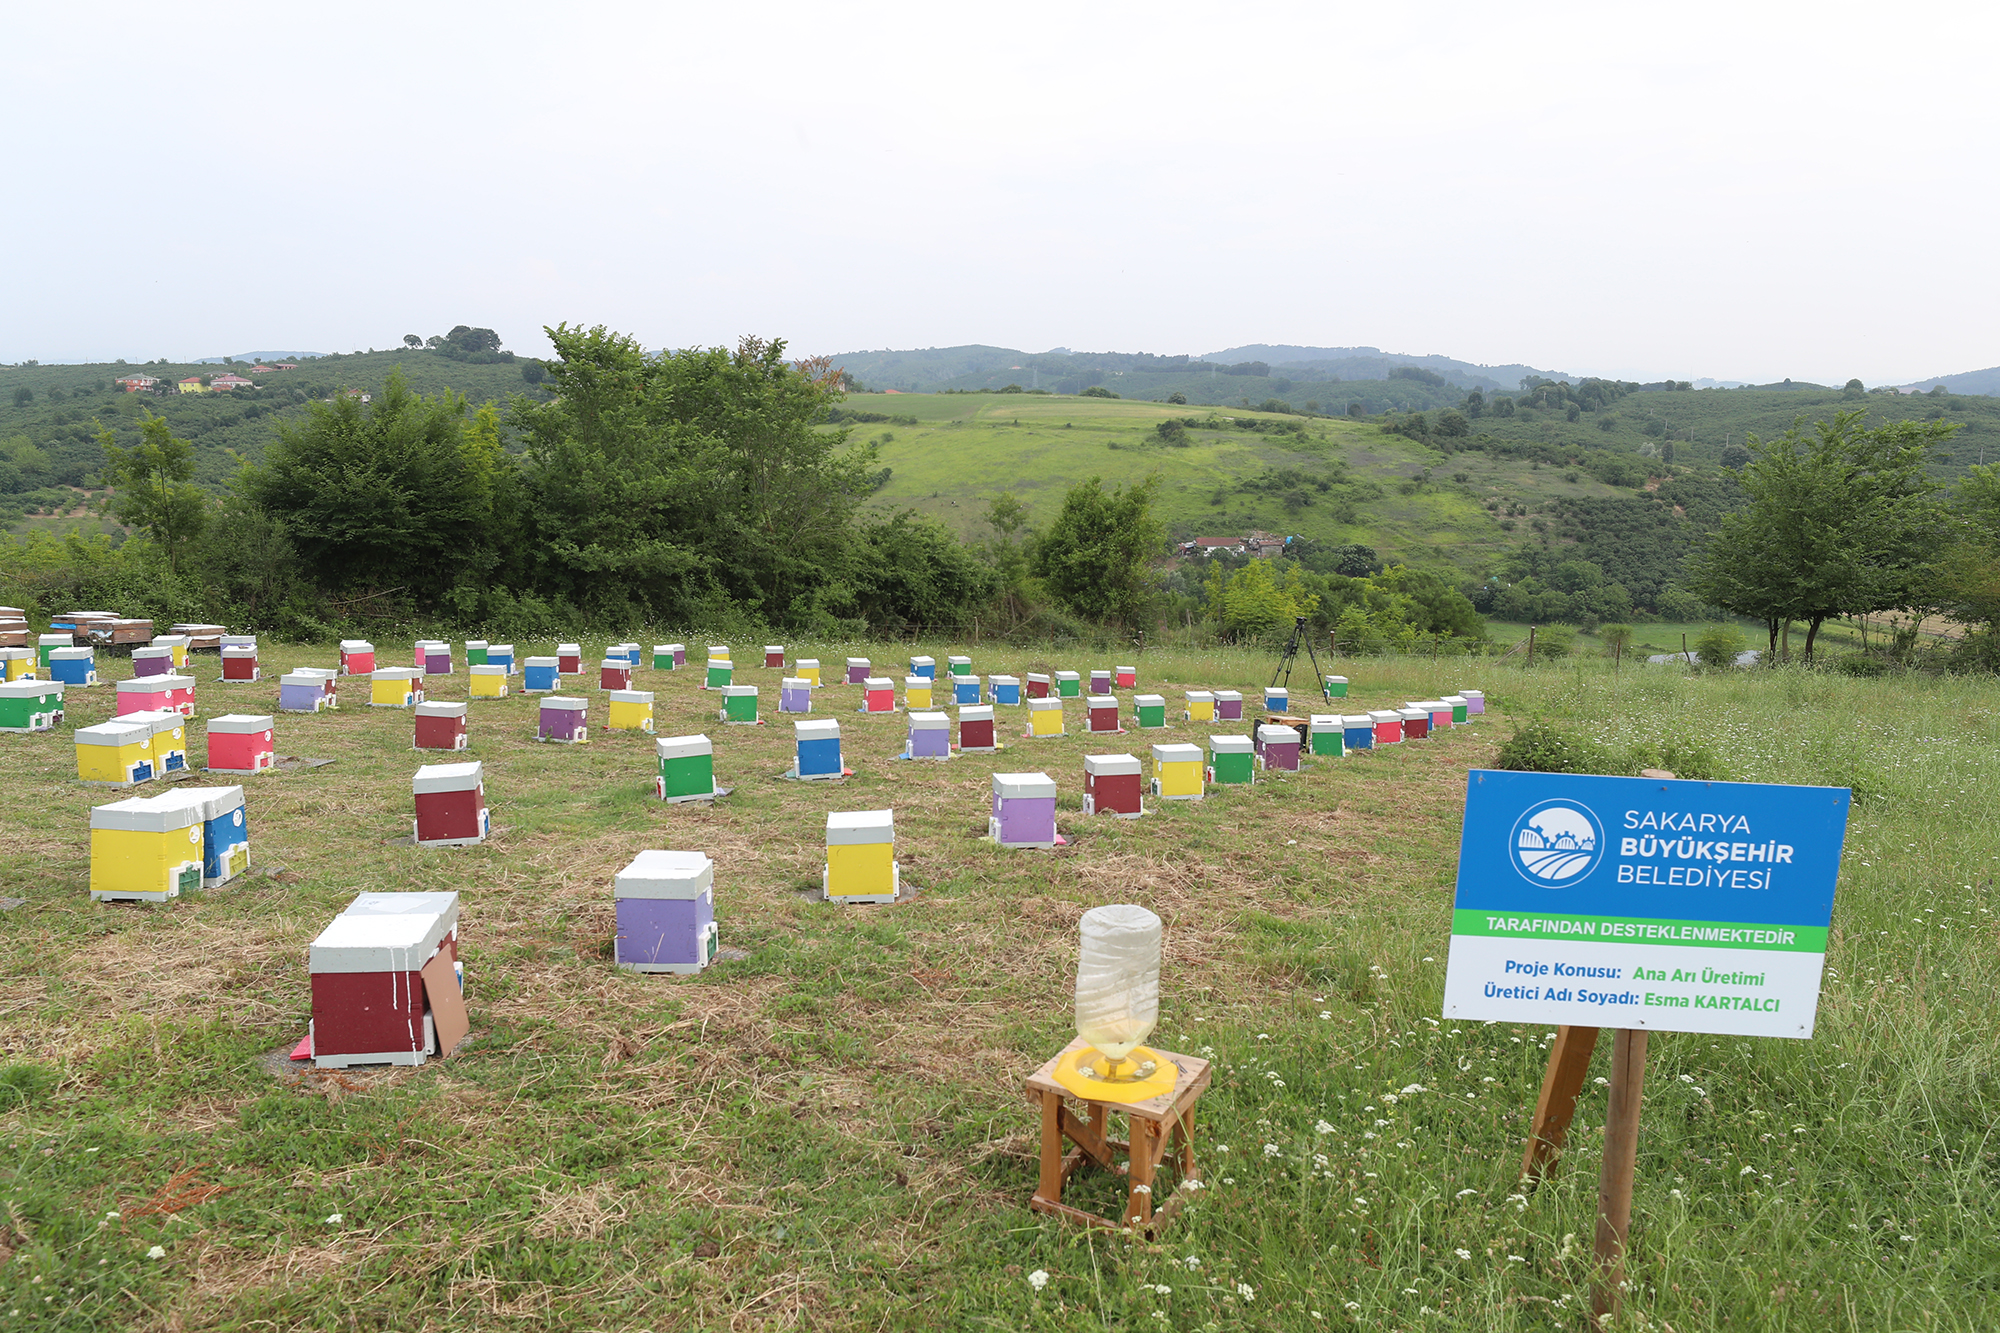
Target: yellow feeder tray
(1088, 1075)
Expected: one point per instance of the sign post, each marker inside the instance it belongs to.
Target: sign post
(1644, 905)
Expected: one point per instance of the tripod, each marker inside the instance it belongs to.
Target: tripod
(1289, 657)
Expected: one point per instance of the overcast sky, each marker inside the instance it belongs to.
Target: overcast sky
(1746, 191)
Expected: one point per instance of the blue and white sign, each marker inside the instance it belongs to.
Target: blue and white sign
(1643, 903)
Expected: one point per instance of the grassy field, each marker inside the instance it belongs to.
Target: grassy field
(828, 1131)
(969, 448)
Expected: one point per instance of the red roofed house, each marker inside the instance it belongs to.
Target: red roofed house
(223, 382)
(193, 384)
(135, 383)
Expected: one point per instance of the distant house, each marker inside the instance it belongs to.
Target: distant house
(356, 393)
(193, 384)
(286, 365)
(1207, 546)
(223, 383)
(138, 383)
(260, 370)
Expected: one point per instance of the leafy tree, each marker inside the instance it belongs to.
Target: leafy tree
(1178, 398)
(1735, 455)
(1573, 413)
(23, 396)
(1253, 602)
(153, 487)
(1617, 639)
(1841, 520)
(1173, 432)
(1094, 391)
(534, 372)
(1355, 410)
(1095, 556)
(911, 573)
(413, 340)
(1453, 425)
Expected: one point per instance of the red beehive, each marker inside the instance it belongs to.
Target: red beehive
(384, 988)
(614, 675)
(1103, 713)
(440, 727)
(975, 727)
(1111, 785)
(451, 804)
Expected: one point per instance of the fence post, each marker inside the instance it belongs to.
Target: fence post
(1531, 645)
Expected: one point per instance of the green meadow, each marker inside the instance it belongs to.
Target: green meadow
(826, 1130)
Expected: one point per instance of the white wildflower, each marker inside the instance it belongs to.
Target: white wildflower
(1039, 1278)
(1322, 1128)
(333, 1220)
(1273, 1150)
(1463, 1254)
(157, 1252)
(1246, 1291)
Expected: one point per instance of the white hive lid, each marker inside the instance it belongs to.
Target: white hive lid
(1103, 701)
(1229, 745)
(356, 646)
(629, 696)
(147, 814)
(158, 720)
(535, 662)
(1408, 713)
(1270, 734)
(662, 874)
(1031, 785)
(923, 661)
(1067, 675)
(324, 673)
(115, 733)
(488, 669)
(966, 660)
(152, 652)
(1473, 694)
(1325, 722)
(794, 683)
(1336, 680)
(563, 703)
(441, 907)
(388, 942)
(1384, 715)
(302, 678)
(1121, 667)
(215, 801)
(476, 643)
(739, 691)
(30, 689)
(718, 650)
(679, 747)
(720, 662)
(448, 777)
(1270, 690)
(851, 827)
(72, 654)
(56, 640)
(676, 647)
(441, 710)
(1110, 765)
(1454, 700)
(239, 650)
(1004, 680)
(1197, 696)
(806, 663)
(912, 682)
(620, 661)
(975, 712)
(240, 724)
(1044, 705)
(395, 673)
(570, 648)
(1180, 753)
(1228, 694)
(825, 729)
(1358, 719)
(146, 685)
(857, 662)
(878, 683)
(928, 721)
(774, 648)
(1036, 675)
(1149, 701)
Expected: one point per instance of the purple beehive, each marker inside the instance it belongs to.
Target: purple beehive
(301, 694)
(930, 736)
(1024, 810)
(1229, 705)
(666, 912)
(152, 662)
(795, 695)
(1278, 747)
(564, 719)
(437, 659)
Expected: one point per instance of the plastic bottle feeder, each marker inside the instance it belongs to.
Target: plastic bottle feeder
(1112, 785)
(975, 729)
(666, 913)
(817, 751)
(1024, 810)
(541, 675)
(1177, 773)
(929, 737)
(687, 769)
(242, 743)
(739, 705)
(631, 710)
(861, 857)
(564, 720)
(1151, 711)
(145, 849)
(1045, 717)
(795, 695)
(1231, 761)
(451, 805)
(440, 727)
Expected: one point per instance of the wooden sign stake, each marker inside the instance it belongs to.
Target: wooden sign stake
(1569, 1062)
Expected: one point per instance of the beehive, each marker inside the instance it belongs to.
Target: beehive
(145, 849)
(1126, 677)
(329, 680)
(807, 669)
(614, 673)
(795, 695)
(1457, 704)
(631, 710)
(878, 695)
(451, 804)
(924, 666)
(1277, 699)
(1200, 706)
(817, 749)
(739, 704)
(242, 743)
(958, 666)
(541, 675)
(1039, 686)
(19, 664)
(1229, 705)
(176, 644)
(1024, 810)
(115, 754)
(1475, 702)
(147, 662)
(157, 692)
(667, 656)
(1045, 717)
(929, 737)
(1277, 748)
(1231, 761)
(486, 682)
(440, 727)
(167, 740)
(857, 670)
(357, 657)
(1112, 785)
(1336, 687)
(1103, 710)
(437, 658)
(475, 652)
(917, 692)
(1177, 772)
(564, 720)
(975, 729)
(235, 641)
(1068, 685)
(666, 913)
(239, 663)
(1388, 724)
(1416, 723)
(45, 647)
(687, 769)
(1100, 680)
(1151, 710)
(1357, 731)
(30, 705)
(719, 674)
(501, 655)
(1004, 690)
(385, 986)
(861, 857)
(393, 687)
(225, 834)
(75, 667)
(718, 650)
(1329, 737)
(1439, 710)
(569, 659)
(774, 657)
(965, 689)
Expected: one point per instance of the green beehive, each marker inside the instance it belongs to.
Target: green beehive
(1336, 687)
(1152, 710)
(719, 672)
(30, 705)
(475, 652)
(1457, 702)
(1069, 685)
(739, 703)
(1328, 735)
(687, 768)
(1231, 761)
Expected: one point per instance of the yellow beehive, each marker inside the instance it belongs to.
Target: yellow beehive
(1045, 717)
(1200, 706)
(917, 693)
(807, 669)
(146, 849)
(394, 687)
(631, 710)
(118, 753)
(1177, 772)
(861, 856)
(488, 682)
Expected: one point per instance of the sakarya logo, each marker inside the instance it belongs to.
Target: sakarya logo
(1557, 842)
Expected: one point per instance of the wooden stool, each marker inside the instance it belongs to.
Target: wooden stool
(1150, 1121)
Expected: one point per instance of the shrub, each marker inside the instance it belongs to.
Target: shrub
(1860, 664)
(1717, 646)
(1554, 642)
(1542, 747)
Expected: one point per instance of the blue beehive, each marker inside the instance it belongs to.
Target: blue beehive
(965, 689)
(818, 748)
(540, 673)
